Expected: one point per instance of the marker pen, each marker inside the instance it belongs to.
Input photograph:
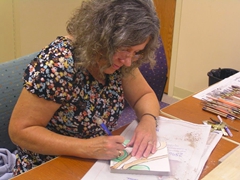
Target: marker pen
(103, 126)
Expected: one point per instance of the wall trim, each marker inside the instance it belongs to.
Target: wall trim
(180, 93)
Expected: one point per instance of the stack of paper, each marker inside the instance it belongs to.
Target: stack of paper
(189, 146)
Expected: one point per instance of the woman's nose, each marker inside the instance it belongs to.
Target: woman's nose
(127, 61)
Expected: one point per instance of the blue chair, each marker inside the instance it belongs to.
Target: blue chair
(156, 78)
(11, 85)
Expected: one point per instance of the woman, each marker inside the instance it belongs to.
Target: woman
(87, 75)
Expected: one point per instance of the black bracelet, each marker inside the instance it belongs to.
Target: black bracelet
(150, 115)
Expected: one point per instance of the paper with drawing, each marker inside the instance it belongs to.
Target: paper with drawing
(186, 143)
(154, 164)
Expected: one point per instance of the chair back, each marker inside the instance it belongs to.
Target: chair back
(157, 77)
(11, 84)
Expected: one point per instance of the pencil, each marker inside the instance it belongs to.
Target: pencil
(214, 111)
(220, 111)
(232, 128)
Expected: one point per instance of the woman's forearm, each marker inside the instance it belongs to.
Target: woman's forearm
(40, 140)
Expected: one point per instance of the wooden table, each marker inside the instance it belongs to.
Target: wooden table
(73, 168)
(70, 168)
(190, 109)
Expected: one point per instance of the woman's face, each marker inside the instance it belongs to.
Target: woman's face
(125, 56)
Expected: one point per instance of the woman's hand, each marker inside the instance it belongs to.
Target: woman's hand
(144, 140)
(104, 147)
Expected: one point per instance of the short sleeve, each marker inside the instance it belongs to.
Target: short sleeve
(50, 75)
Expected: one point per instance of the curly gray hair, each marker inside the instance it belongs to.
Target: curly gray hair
(100, 27)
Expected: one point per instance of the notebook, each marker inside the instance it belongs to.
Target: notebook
(154, 164)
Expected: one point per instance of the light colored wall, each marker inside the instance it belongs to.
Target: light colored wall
(7, 49)
(206, 36)
(30, 25)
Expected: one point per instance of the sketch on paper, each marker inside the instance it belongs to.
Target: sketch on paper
(155, 164)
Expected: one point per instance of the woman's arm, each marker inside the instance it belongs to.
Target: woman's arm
(143, 100)
(27, 129)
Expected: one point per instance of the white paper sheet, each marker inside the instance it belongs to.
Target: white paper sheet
(220, 86)
(189, 147)
(213, 139)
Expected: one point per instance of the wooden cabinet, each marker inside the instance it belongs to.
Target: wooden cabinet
(166, 13)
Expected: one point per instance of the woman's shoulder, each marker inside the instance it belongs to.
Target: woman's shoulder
(63, 41)
(58, 53)
(61, 45)
(52, 69)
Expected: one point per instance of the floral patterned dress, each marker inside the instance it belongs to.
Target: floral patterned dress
(52, 76)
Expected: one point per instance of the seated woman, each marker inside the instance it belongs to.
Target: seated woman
(84, 76)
